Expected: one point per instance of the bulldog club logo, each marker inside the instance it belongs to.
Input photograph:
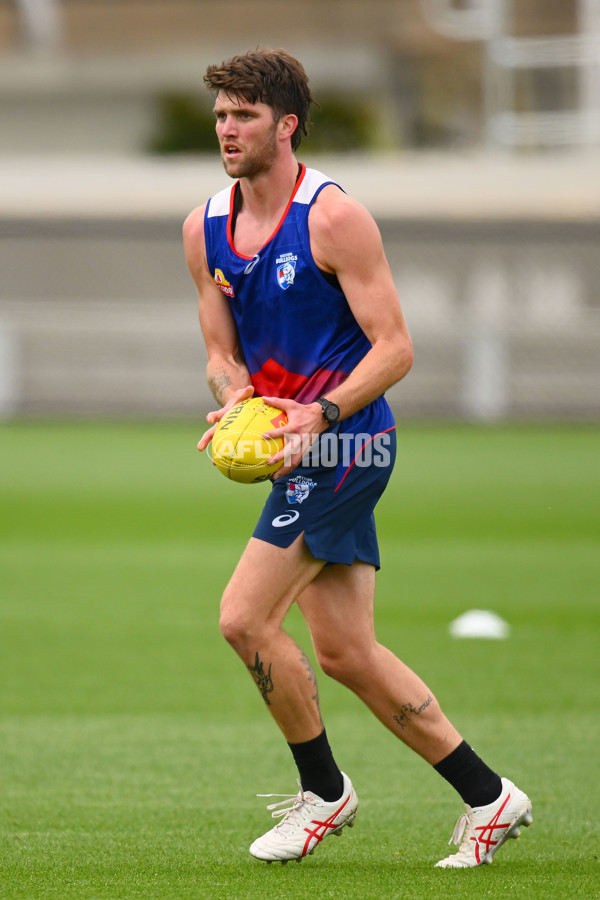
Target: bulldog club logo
(223, 283)
(286, 270)
(299, 488)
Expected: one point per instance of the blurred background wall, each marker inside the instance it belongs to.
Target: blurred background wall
(469, 128)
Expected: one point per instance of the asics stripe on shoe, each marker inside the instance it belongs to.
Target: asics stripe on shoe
(306, 820)
(480, 833)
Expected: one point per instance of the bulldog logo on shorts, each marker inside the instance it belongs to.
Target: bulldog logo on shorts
(299, 488)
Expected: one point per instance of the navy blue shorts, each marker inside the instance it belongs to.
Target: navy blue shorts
(332, 505)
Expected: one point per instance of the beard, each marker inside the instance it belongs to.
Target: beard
(256, 161)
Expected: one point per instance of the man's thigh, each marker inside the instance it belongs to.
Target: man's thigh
(338, 606)
(268, 579)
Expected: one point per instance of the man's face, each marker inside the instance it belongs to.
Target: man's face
(247, 136)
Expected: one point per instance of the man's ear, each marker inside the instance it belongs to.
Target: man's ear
(287, 126)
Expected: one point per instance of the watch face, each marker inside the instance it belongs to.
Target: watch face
(332, 412)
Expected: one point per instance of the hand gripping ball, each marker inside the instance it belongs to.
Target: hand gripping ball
(239, 450)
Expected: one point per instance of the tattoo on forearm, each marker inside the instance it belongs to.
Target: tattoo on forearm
(217, 382)
(263, 679)
(407, 711)
(311, 677)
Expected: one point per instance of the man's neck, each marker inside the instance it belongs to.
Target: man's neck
(263, 195)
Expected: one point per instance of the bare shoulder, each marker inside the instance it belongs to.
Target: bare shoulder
(333, 208)
(193, 227)
(337, 220)
(193, 241)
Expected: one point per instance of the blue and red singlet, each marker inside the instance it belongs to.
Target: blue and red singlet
(297, 332)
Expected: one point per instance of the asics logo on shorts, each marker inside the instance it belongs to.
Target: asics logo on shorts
(285, 519)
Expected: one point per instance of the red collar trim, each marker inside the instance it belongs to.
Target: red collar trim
(279, 224)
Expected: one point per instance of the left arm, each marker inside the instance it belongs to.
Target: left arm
(346, 241)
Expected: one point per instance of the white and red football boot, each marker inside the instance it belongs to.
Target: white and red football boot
(306, 820)
(480, 832)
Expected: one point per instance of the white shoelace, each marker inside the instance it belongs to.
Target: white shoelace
(290, 803)
(459, 830)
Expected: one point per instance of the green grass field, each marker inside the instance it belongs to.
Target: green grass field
(132, 742)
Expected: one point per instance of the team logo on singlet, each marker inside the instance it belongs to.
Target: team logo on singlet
(299, 488)
(223, 283)
(286, 270)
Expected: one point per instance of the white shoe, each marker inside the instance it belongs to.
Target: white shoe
(479, 833)
(306, 821)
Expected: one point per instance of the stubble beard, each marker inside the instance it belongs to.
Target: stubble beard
(256, 161)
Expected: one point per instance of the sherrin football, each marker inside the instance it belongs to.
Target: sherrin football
(239, 450)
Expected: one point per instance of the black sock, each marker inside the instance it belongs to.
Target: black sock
(476, 783)
(317, 767)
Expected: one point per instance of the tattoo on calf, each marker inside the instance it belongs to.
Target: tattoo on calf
(263, 679)
(407, 711)
(217, 382)
(311, 677)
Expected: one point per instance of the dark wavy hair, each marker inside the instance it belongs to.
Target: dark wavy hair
(274, 77)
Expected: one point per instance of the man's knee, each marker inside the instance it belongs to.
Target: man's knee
(240, 623)
(233, 623)
(336, 662)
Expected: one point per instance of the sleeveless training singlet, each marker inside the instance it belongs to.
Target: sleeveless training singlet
(300, 340)
(298, 334)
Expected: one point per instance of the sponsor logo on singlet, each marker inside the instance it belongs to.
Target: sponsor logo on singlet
(223, 283)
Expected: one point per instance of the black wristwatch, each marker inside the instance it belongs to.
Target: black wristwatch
(331, 411)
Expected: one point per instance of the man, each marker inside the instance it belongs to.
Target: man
(297, 304)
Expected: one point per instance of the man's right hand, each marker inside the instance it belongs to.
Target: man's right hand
(215, 416)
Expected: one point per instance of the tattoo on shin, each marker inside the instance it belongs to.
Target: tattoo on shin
(263, 679)
(407, 711)
(217, 382)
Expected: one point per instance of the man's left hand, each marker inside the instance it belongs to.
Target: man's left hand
(304, 424)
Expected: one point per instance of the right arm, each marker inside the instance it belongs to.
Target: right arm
(226, 371)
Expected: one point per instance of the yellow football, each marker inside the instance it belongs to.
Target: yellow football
(239, 450)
